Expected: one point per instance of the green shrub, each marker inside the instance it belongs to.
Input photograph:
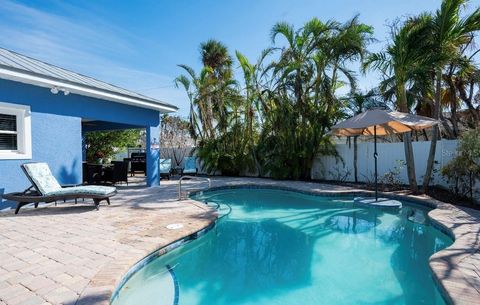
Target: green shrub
(391, 179)
(107, 143)
(229, 153)
(463, 171)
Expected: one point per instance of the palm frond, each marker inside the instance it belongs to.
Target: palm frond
(284, 29)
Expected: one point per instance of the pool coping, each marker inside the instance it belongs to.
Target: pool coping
(455, 269)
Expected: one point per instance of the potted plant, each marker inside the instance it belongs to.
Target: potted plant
(99, 157)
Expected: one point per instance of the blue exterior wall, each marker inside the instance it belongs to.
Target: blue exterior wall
(57, 131)
(62, 151)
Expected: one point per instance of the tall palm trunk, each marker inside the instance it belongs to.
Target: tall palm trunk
(355, 158)
(412, 178)
(251, 115)
(407, 141)
(453, 101)
(433, 143)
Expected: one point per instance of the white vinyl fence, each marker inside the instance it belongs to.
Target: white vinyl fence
(391, 158)
(165, 153)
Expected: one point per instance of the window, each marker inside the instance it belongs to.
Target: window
(8, 132)
(15, 132)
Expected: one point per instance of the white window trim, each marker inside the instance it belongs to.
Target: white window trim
(24, 131)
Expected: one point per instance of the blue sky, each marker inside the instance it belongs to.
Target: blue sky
(138, 44)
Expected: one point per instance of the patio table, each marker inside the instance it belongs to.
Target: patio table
(100, 173)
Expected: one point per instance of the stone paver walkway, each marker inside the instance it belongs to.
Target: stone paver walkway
(72, 254)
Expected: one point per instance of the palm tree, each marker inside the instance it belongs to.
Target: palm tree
(216, 58)
(252, 101)
(296, 97)
(198, 89)
(449, 32)
(220, 116)
(209, 91)
(465, 82)
(281, 117)
(302, 91)
(214, 54)
(400, 63)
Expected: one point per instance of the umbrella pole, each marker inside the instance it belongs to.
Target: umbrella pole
(375, 156)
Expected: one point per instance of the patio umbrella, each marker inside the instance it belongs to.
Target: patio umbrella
(381, 122)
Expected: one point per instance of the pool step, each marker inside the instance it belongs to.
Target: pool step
(176, 289)
(381, 202)
(417, 216)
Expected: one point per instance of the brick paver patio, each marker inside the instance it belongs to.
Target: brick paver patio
(76, 255)
(72, 254)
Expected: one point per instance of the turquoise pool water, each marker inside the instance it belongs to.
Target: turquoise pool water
(279, 247)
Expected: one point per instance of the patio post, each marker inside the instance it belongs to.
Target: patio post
(153, 155)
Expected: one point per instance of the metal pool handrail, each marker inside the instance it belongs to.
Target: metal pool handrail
(191, 177)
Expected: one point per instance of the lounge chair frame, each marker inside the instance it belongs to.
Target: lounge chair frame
(33, 195)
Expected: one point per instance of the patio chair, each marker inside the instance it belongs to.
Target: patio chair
(94, 174)
(120, 172)
(190, 166)
(45, 188)
(85, 176)
(166, 168)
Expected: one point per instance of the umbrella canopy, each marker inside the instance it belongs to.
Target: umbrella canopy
(379, 122)
(386, 123)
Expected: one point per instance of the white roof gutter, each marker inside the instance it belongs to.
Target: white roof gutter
(28, 78)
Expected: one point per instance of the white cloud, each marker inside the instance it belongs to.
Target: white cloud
(83, 44)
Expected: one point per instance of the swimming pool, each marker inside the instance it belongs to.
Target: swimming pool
(283, 247)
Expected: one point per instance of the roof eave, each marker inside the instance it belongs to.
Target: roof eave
(37, 80)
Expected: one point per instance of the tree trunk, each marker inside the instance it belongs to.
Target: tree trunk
(425, 134)
(407, 140)
(468, 99)
(453, 98)
(252, 142)
(471, 187)
(410, 160)
(355, 157)
(433, 143)
(448, 130)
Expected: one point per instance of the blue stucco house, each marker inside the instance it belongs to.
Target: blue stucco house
(44, 110)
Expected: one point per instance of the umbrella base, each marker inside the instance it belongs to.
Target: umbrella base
(382, 202)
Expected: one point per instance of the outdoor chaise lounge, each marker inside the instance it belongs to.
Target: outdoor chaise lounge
(45, 188)
(166, 168)
(190, 166)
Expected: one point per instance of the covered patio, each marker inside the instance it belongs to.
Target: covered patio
(53, 108)
(109, 171)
